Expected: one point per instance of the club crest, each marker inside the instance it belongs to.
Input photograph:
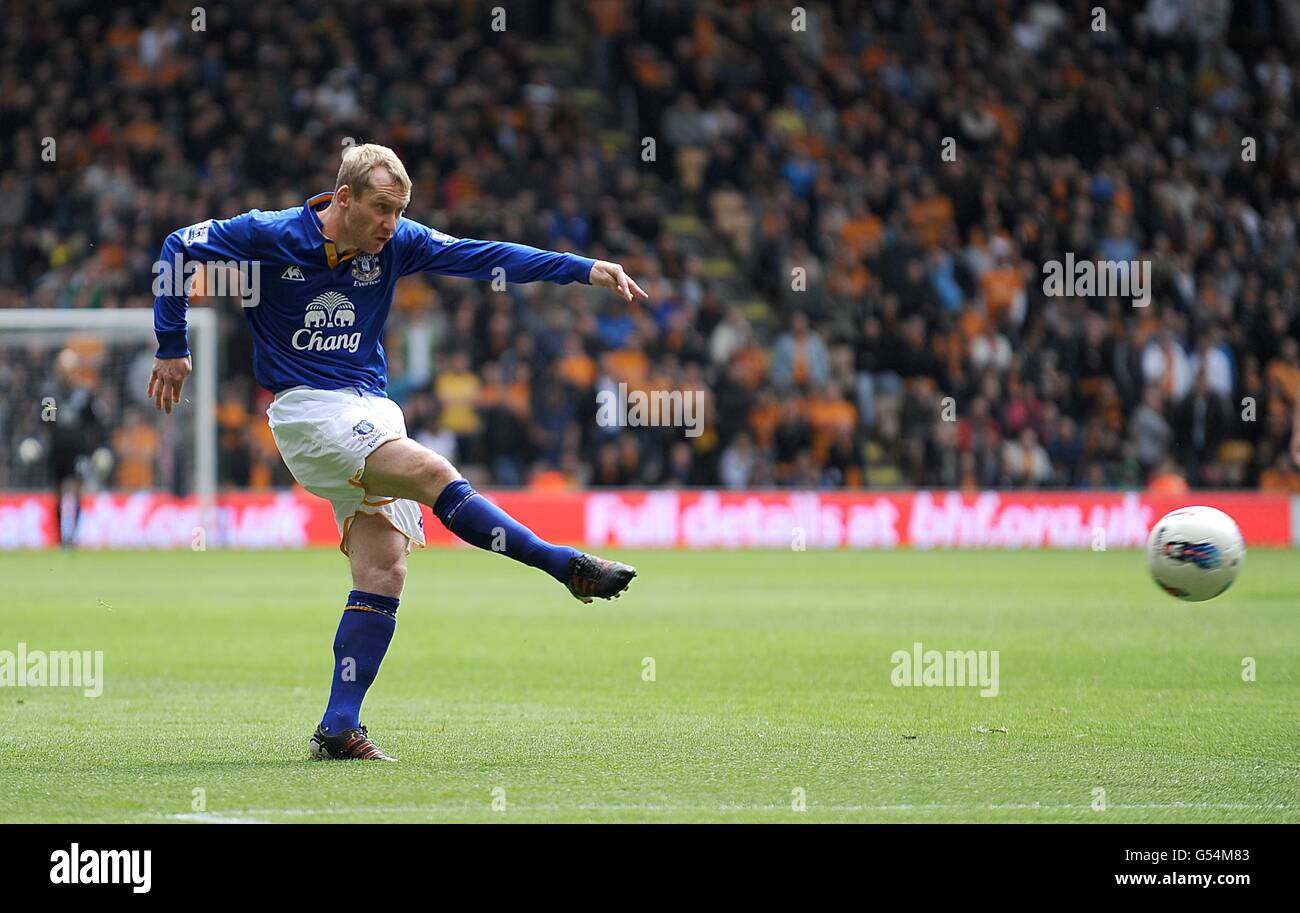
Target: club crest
(366, 268)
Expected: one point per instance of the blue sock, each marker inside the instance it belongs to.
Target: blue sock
(359, 647)
(481, 523)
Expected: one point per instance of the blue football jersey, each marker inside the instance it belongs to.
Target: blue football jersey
(318, 317)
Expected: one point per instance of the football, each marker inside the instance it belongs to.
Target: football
(1195, 553)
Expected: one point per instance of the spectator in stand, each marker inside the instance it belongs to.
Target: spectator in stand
(1200, 427)
(800, 360)
(457, 389)
(1165, 365)
(1025, 463)
(136, 445)
(1149, 432)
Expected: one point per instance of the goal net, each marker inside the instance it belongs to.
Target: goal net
(75, 406)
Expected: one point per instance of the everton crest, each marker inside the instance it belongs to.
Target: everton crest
(366, 268)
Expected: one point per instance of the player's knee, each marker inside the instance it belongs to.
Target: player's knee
(382, 574)
(377, 552)
(393, 577)
(438, 474)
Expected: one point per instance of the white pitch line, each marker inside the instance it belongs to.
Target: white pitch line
(236, 817)
(213, 818)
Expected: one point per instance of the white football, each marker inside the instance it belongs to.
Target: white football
(1194, 553)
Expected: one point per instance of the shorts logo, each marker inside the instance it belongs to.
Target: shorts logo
(363, 428)
(366, 269)
(330, 310)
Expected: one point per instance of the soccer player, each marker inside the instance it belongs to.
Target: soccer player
(1295, 433)
(75, 433)
(327, 273)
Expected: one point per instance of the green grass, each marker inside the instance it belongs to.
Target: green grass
(773, 673)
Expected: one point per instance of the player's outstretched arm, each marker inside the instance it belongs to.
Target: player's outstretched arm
(424, 250)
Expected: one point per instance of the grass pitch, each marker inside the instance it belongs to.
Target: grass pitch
(771, 676)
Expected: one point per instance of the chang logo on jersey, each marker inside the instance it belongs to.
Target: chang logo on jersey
(366, 269)
(329, 311)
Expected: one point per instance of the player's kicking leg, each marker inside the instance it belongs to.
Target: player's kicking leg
(401, 468)
(377, 552)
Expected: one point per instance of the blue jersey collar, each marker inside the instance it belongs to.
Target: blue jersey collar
(309, 207)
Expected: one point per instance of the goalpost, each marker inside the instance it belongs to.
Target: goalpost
(122, 342)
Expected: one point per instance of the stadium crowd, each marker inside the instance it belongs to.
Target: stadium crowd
(878, 188)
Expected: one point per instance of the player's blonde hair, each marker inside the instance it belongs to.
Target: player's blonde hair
(360, 161)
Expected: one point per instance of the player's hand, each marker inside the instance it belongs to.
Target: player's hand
(166, 380)
(1295, 445)
(611, 275)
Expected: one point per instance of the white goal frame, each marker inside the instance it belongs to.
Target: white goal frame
(202, 385)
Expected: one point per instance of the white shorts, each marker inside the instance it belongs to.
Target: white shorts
(325, 436)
